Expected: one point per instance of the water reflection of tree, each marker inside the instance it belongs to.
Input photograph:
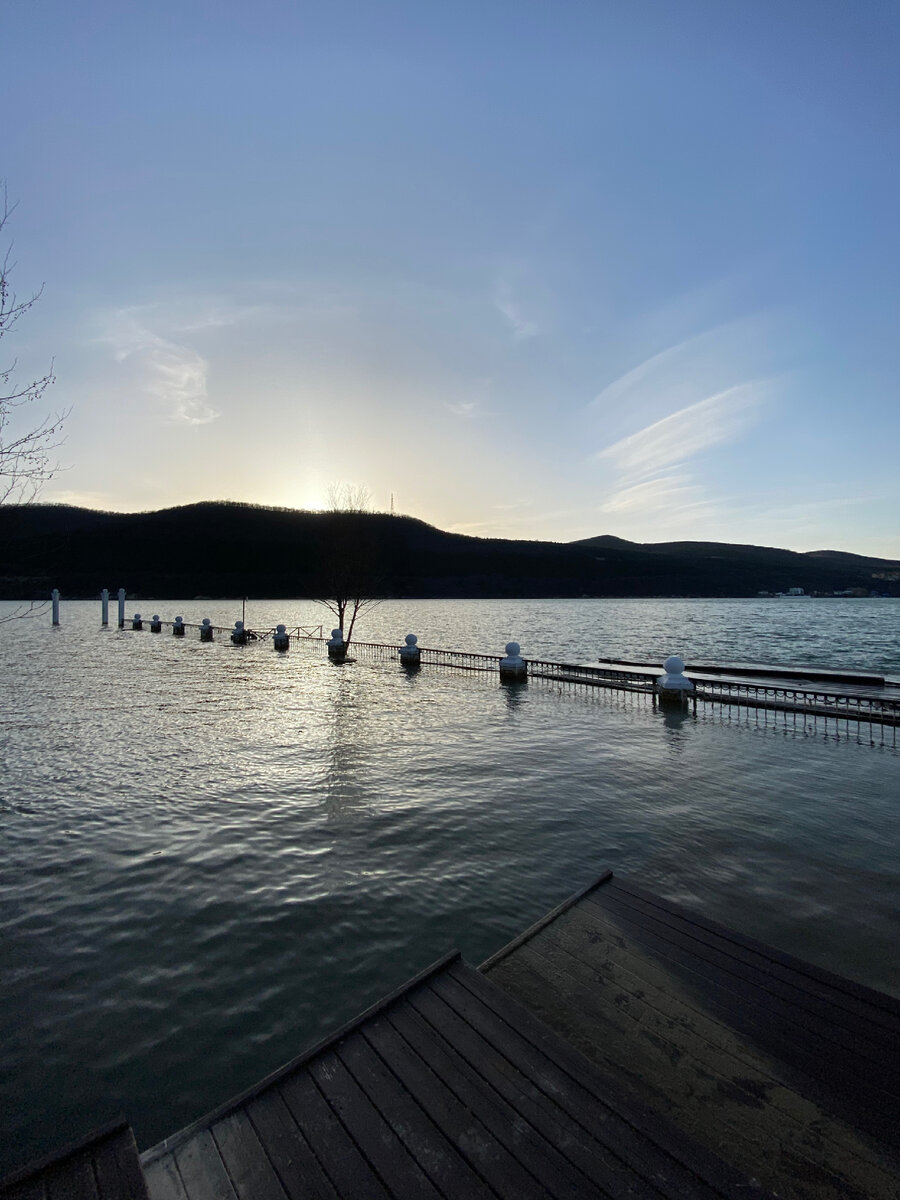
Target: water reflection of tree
(346, 787)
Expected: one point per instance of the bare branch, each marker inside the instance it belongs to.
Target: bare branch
(26, 447)
(348, 498)
(34, 608)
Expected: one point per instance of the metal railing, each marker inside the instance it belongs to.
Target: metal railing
(840, 714)
(870, 717)
(806, 708)
(298, 633)
(587, 675)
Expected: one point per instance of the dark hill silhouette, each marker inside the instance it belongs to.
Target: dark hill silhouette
(229, 549)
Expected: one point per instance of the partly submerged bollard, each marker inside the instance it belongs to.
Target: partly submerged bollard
(136, 622)
(674, 688)
(513, 668)
(54, 596)
(206, 630)
(178, 627)
(121, 608)
(337, 647)
(156, 623)
(239, 634)
(410, 654)
(104, 607)
(281, 639)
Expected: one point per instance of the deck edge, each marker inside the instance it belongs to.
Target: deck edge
(153, 1153)
(843, 984)
(44, 1161)
(543, 921)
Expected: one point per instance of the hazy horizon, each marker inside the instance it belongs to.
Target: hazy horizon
(535, 272)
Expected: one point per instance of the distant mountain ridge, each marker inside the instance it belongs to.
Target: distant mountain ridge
(231, 549)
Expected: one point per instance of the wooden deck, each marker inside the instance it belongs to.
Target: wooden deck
(103, 1166)
(620, 1048)
(449, 1088)
(789, 1073)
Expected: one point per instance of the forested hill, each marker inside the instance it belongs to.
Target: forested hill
(225, 549)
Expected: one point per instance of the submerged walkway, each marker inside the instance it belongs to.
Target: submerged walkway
(620, 1048)
(800, 679)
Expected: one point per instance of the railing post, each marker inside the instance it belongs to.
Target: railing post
(281, 639)
(136, 622)
(410, 654)
(54, 596)
(121, 608)
(239, 634)
(156, 623)
(206, 630)
(513, 668)
(178, 627)
(104, 607)
(674, 688)
(337, 647)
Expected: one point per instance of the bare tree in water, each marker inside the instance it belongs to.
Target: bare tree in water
(27, 440)
(349, 565)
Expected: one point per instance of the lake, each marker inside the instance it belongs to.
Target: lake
(213, 854)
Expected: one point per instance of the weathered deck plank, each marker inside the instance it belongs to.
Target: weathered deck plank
(249, 1169)
(199, 1166)
(876, 1007)
(163, 1181)
(787, 1071)
(656, 1063)
(369, 1129)
(398, 1040)
(439, 1159)
(565, 1113)
(843, 1019)
(351, 1173)
(634, 1132)
(636, 986)
(522, 1139)
(863, 1089)
(299, 1170)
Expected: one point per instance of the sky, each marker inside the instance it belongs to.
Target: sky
(531, 270)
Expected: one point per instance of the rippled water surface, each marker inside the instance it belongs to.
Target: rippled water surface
(210, 855)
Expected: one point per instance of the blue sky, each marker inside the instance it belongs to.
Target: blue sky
(537, 270)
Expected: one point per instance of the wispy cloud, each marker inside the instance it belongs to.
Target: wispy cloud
(675, 489)
(219, 315)
(170, 372)
(684, 434)
(521, 325)
(689, 400)
(464, 408)
(163, 340)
